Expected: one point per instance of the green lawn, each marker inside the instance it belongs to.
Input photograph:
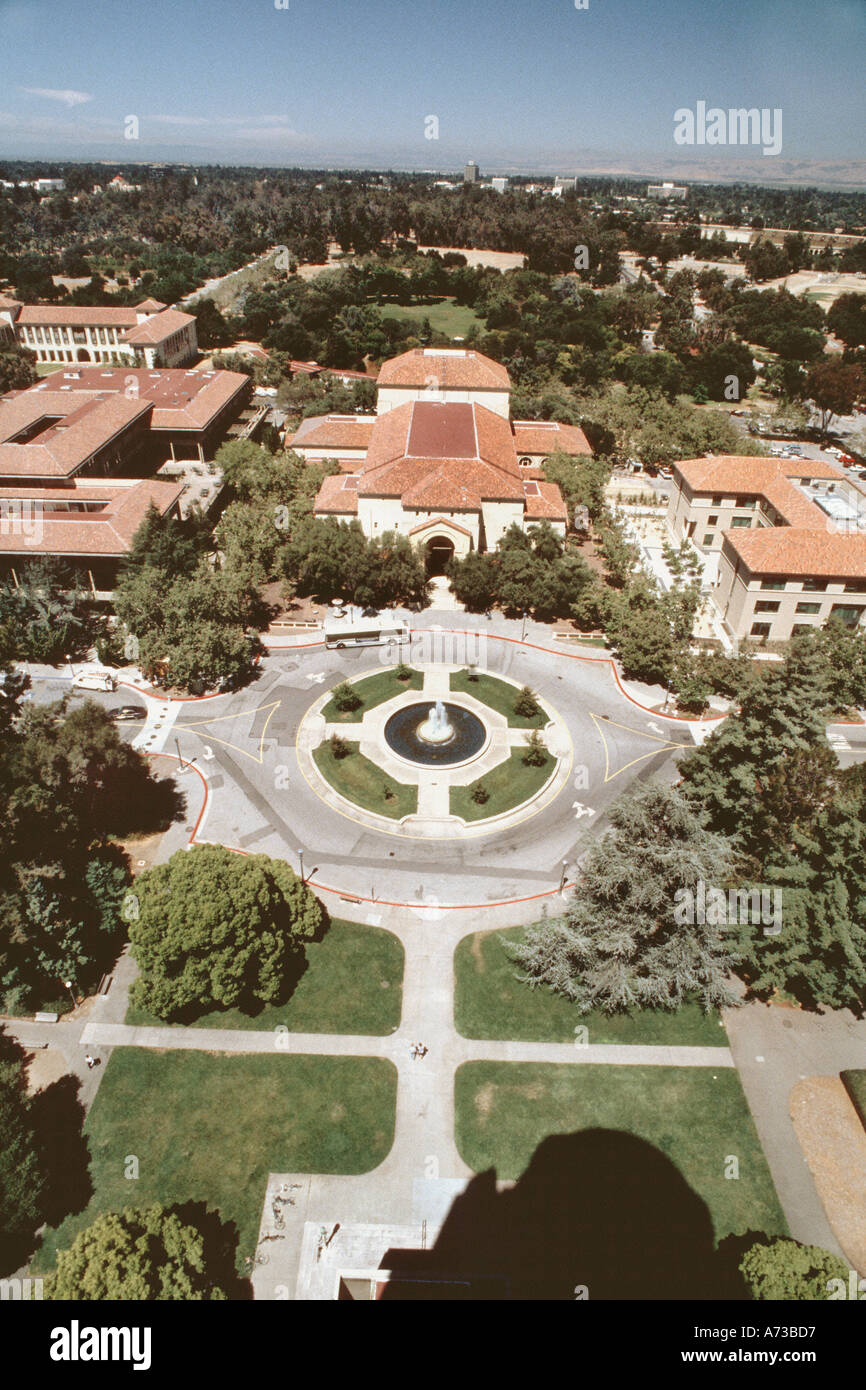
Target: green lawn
(855, 1084)
(353, 983)
(695, 1116)
(489, 1002)
(373, 690)
(499, 695)
(46, 368)
(509, 783)
(209, 1127)
(361, 781)
(444, 315)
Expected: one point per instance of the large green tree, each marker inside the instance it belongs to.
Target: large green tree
(783, 1270)
(215, 929)
(22, 1176)
(136, 1255)
(619, 945)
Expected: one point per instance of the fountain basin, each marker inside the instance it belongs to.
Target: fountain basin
(455, 739)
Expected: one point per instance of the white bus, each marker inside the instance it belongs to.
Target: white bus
(366, 632)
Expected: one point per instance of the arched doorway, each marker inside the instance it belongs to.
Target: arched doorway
(439, 552)
(83, 355)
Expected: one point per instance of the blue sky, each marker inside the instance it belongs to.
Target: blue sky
(513, 83)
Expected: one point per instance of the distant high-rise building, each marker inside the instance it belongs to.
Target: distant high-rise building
(560, 182)
(666, 190)
(471, 173)
(499, 184)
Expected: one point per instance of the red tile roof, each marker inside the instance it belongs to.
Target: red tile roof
(86, 425)
(546, 502)
(332, 432)
(158, 327)
(336, 497)
(789, 552)
(150, 306)
(543, 437)
(73, 315)
(107, 533)
(445, 370)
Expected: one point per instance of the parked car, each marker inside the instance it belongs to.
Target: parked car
(129, 713)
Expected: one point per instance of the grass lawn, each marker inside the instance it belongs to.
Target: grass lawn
(855, 1085)
(490, 1003)
(444, 315)
(695, 1116)
(46, 368)
(359, 780)
(353, 983)
(499, 695)
(509, 784)
(373, 690)
(210, 1128)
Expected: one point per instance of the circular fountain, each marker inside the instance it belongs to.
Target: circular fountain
(447, 734)
(437, 728)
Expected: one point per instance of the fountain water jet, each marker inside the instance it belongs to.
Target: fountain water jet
(436, 728)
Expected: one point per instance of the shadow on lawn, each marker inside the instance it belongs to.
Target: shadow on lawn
(601, 1211)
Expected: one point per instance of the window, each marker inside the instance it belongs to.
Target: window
(814, 586)
(760, 630)
(857, 587)
(808, 608)
(717, 502)
(745, 502)
(741, 521)
(767, 606)
(713, 520)
(772, 583)
(708, 540)
(849, 614)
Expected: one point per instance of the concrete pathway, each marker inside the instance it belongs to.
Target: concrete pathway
(773, 1049)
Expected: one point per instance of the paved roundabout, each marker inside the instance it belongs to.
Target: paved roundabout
(253, 751)
(386, 737)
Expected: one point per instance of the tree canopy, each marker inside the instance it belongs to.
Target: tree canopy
(215, 929)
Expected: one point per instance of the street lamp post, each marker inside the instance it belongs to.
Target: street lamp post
(68, 984)
(523, 629)
(301, 858)
(563, 875)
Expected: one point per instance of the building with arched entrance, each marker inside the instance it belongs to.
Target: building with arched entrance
(145, 335)
(441, 462)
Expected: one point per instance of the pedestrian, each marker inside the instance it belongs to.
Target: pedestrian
(413, 1050)
(422, 1049)
(90, 1063)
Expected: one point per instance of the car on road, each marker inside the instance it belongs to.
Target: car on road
(128, 714)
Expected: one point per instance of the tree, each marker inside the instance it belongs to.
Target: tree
(212, 329)
(346, 698)
(835, 389)
(22, 1177)
(619, 947)
(847, 319)
(786, 1270)
(199, 624)
(839, 652)
(474, 581)
(728, 775)
(218, 930)
(526, 703)
(17, 370)
(536, 753)
(137, 1254)
(162, 542)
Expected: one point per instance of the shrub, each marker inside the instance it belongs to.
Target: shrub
(536, 753)
(480, 794)
(403, 672)
(526, 704)
(339, 747)
(345, 697)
